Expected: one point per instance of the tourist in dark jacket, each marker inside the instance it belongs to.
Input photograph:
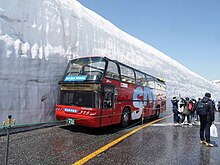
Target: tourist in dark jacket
(175, 109)
(207, 120)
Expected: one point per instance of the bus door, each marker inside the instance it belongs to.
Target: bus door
(107, 105)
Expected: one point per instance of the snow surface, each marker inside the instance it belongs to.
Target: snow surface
(216, 82)
(38, 38)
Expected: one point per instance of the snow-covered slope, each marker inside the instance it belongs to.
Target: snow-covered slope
(216, 82)
(37, 38)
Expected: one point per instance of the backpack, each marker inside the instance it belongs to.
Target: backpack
(202, 108)
(190, 106)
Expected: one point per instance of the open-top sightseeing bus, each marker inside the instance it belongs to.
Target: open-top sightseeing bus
(97, 91)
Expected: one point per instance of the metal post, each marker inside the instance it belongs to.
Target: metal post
(9, 120)
(7, 147)
(7, 144)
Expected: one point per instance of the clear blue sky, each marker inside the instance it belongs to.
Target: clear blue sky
(186, 30)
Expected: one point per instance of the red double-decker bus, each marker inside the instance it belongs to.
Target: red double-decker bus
(97, 91)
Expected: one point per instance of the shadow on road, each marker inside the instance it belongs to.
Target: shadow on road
(106, 129)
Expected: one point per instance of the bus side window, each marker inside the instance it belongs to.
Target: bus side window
(151, 84)
(140, 78)
(112, 71)
(127, 74)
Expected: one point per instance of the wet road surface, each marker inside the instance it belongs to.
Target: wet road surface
(159, 143)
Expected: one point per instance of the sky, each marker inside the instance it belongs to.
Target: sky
(186, 30)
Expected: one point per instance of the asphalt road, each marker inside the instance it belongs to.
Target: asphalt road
(158, 143)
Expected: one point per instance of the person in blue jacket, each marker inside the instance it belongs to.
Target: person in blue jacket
(175, 110)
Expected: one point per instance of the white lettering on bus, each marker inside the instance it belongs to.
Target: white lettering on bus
(137, 103)
(140, 98)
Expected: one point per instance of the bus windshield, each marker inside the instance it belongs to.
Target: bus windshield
(80, 98)
(85, 69)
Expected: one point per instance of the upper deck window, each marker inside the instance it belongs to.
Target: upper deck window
(85, 69)
(141, 79)
(127, 74)
(112, 71)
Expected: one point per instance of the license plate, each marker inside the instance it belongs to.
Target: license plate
(70, 121)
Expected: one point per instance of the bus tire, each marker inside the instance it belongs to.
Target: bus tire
(125, 118)
(157, 112)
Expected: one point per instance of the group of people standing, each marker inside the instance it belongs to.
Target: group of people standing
(192, 110)
(184, 108)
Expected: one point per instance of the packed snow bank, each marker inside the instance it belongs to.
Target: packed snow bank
(37, 38)
(216, 82)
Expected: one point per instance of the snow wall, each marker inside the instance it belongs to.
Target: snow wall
(38, 38)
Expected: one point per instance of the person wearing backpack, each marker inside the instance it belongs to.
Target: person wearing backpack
(186, 112)
(206, 113)
(175, 110)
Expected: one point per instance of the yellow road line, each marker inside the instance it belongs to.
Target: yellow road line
(97, 152)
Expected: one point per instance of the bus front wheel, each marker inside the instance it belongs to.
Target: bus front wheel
(125, 118)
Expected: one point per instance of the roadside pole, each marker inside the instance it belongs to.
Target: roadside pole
(8, 137)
